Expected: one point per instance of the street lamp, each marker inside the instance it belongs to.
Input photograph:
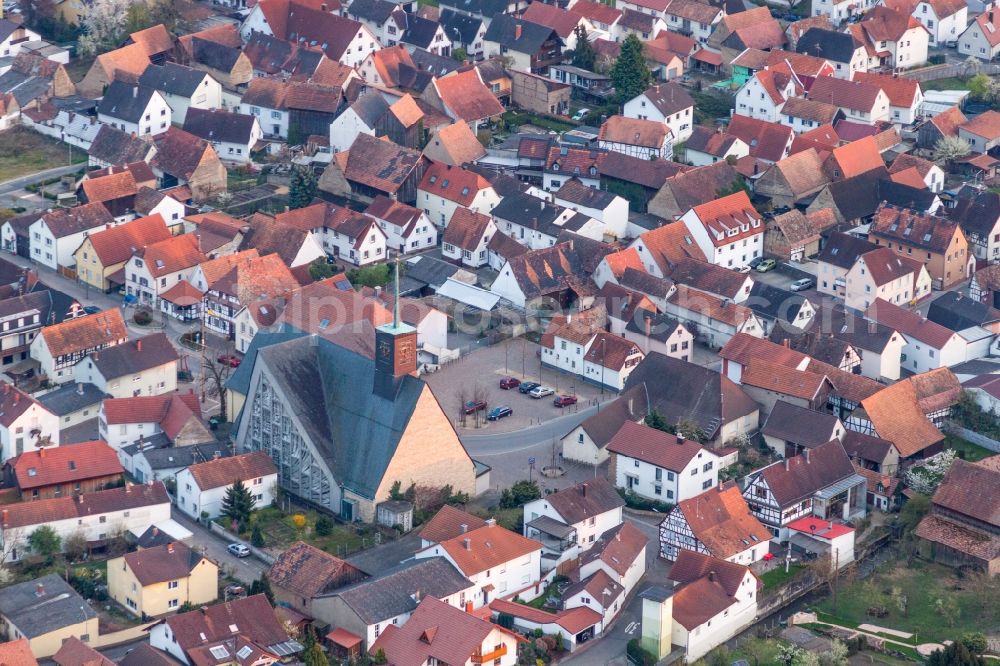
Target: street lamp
(604, 352)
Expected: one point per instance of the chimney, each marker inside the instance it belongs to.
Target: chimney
(170, 547)
(648, 325)
(216, 455)
(128, 488)
(5, 517)
(468, 607)
(416, 596)
(583, 489)
(711, 576)
(135, 91)
(807, 456)
(463, 528)
(138, 345)
(517, 28)
(491, 522)
(39, 590)
(680, 438)
(786, 463)
(156, 530)
(41, 452)
(831, 525)
(79, 499)
(467, 544)
(786, 343)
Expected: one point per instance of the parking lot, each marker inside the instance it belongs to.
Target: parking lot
(480, 372)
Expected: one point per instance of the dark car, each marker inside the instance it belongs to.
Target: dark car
(528, 387)
(91, 309)
(564, 400)
(753, 263)
(473, 406)
(498, 413)
(230, 360)
(508, 383)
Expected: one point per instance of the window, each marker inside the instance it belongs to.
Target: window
(172, 603)
(172, 585)
(707, 466)
(707, 484)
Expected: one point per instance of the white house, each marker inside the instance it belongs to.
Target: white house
(693, 17)
(667, 103)
(569, 521)
(232, 135)
(905, 96)
(56, 235)
(25, 424)
(764, 94)
(147, 366)
(59, 347)
(361, 117)
(407, 229)
(717, 522)
(713, 600)
(355, 237)
(598, 592)
(945, 20)
(927, 345)
(349, 41)
(607, 208)
(883, 274)
(444, 188)
(620, 552)
(645, 139)
(898, 41)
(162, 265)
(655, 332)
(466, 237)
(982, 38)
(265, 99)
(183, 88)
(660, 466)
(202, 487)
(834, 540)
(96, 516)
(134, 109)
(13, 37)
(177, 417)
(498, 562)
(729, 230)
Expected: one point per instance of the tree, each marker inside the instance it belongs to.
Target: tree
(238, 503)
(630, 74)
(396, 491)
(583, 56)
(460, 54)
(299, 521)
(979, 87)
(947, 608)
(256, 538)
(213, 380)
(262, 586)
(44, 541)
(914, 511)
(321, 269)
(75, 545)
(655, 420)
(314, 656)
(302, 190)
(975, 642)
(955, 654)
(949, 148)
(900, 599)
(102, 25)
(519, 494)
(377, 275)
(837, 655)
(788, 653)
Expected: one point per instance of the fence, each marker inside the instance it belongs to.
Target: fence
(946, 71)
(119, 637)
(228, 536)
(972, 436)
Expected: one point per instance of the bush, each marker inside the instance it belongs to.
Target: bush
(324, 526)
(519, 494)
(142, 317)
(637, 655)
(256, 538)
(640, 503)
(975, 642)
(505, 620)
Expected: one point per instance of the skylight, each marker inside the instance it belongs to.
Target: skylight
(219, 652)
(244, 652)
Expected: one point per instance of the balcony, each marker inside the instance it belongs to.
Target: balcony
(487, 658)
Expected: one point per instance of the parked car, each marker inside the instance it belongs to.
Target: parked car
(581, 114)
(473, 406)
(508, 383)
(230, 360)
(564, 400)
(239, 549)
(541, 392)
(802, 284)
(528, 387)
(766, 265)
(91, 309)
(755, 262)
(498, 413)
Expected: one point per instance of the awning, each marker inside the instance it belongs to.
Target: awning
(468, 294)
(552, 527)
(343, 638)
(841, 486)
(708, 57)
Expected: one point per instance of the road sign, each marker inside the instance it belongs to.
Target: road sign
(531, 460)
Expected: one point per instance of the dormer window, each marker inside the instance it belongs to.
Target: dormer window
(433, 179)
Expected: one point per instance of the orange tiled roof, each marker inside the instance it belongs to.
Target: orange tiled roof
(173, 254)
(487, 547)
(93, 331)
(117, 244)
(465, 94)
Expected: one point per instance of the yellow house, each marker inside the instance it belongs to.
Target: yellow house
(101, 257)
(158, 581)
(45, 611)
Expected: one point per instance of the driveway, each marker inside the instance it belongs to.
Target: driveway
(244, 569)
(481, 370)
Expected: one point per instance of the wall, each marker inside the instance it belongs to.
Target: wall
(193, 501)
(532, 92)
(972, 436)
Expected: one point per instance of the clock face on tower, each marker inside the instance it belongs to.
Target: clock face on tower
(385, 349)
(405, 352)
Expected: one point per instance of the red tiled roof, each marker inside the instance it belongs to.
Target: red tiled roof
(634, 132)
(777, 378)
(26, 514)
(597, 11)
(653, 446)
(895, 412)
(729, 213)
(901, 91)
(466, 229)
(173, 254)
(721, 520)
(65, 464)
(93, 331)
(224, 472)
(171, 561)
(17, 653)
(488, 546)
(117, 244)
(453, 183)
(856, 158)
(767, 141)
(985, 125)
(465, 95)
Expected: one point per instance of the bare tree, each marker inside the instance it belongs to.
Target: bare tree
(214, 376)
(13, 539)
(463, 397)
(479, 395)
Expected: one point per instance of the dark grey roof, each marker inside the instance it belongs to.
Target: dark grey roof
(503, 184)
(173, 79)
(125, 101)
(376, 11)
(858, 197)
(957, 313)
(239, 381)
(842, 250)
(35, 614)
(113, 146)
(370, 107)
(821, 346)
(128, 359)
(977, 215)
(905, 196)
(61, 306)
(24, 87)
(528, 210)
(866, 447)
(829, 44)
(419, 31)
(590, 197)
(71, 398)
(855, 330)
(332, 390)
(429, 270)
(484, 8)
(656, 325)
(216, 125)
(503, 30)
(644, 282)
(774, 303)
(215, 55)
(7, 28)
(391, 594)
(586, 499)
(148, 443)
(432, 63)
(799, 425)
(466, 26)
(181, 456)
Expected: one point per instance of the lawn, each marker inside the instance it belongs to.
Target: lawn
(923, 585)
(518, 118)
(950, 83)
(966, 449)
(279, 531)
(777, 577)
(23, 152)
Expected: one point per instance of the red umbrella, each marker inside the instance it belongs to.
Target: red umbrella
(768, 557)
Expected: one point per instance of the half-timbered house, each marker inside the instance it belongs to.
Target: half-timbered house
(717, 523)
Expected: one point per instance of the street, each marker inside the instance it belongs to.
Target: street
(244, 569)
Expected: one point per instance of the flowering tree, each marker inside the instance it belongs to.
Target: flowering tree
(103, 24)
(926, 476)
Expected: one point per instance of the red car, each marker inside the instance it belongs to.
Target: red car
(473, 406)
(508, 383)
(230, 360)
(564, 400)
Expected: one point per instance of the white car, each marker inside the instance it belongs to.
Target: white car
(541, 392)
(239, 549)
(802, 284)
(581, 114)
